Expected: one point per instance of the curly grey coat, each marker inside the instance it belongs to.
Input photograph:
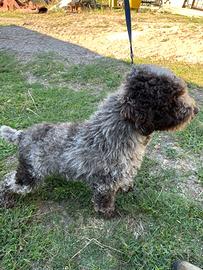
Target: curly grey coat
(107, 150)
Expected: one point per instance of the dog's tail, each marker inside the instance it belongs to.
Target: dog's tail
(10, 134)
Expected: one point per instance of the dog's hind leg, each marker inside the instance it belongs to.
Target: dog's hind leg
(20, 182)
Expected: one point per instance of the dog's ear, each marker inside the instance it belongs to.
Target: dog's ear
(128, 111)
(145, 123)
(138, 116)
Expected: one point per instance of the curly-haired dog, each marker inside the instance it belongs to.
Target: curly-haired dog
(107, 150)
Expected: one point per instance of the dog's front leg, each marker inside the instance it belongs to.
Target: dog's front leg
(104, 202)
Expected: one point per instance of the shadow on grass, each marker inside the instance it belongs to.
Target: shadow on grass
(27, 43)
(76, 197)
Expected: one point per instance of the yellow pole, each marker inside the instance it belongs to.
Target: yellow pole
(110, 4)
(113, 3)
(135, 4)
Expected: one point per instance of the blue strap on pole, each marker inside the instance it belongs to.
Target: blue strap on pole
(128, 23)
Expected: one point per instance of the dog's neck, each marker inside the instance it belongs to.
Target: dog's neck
(109, 124)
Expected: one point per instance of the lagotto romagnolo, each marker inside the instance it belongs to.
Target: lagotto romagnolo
(105, 151)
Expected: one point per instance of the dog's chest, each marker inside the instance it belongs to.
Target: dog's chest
(131, 162)
(133, 156)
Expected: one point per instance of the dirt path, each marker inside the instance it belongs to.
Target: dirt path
(157, 35)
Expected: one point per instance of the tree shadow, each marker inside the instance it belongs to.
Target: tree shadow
(27, 43)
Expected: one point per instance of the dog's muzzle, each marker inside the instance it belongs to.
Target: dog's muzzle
(196, 110)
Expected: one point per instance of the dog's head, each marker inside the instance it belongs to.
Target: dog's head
(155, 99)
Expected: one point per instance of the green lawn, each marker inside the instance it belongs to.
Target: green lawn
(56, 228)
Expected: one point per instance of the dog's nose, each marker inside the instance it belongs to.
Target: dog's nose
(196, 110)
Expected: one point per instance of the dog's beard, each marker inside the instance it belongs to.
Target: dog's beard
(183, 124)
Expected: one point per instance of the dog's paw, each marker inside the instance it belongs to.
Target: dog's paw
(107, 213)
(7, 200)
(127, 189)
(112, 214)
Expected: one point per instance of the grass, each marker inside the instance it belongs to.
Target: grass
(96, 74)
(56, 228)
